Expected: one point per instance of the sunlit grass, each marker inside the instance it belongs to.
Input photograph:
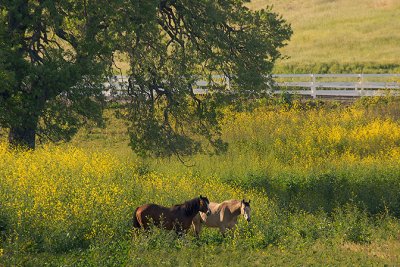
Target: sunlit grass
(356, 36)
(360, 31)
(322, 179)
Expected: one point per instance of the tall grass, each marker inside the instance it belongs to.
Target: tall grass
(73, 208)
(322, 179)
(311, 157)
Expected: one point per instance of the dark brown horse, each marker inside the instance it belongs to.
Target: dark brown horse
(178, 217)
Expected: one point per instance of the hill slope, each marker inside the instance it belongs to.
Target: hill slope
(341, 32)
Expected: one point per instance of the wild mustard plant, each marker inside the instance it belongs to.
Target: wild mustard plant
(314, 177)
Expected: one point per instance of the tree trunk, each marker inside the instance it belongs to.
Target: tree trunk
(22, 137)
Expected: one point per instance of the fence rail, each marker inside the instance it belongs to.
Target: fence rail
(347, 85)
(314, 85)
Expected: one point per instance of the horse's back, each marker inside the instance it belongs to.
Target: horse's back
(214, 218)
(213, 206)
(229, 202)
(220, 213)
(151, 213)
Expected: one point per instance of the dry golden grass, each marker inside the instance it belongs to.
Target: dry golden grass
(330, 32)
(342, 31)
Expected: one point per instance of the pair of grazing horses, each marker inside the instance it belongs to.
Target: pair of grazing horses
(194, 212)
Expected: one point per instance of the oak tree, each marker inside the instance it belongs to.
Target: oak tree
(55, 56)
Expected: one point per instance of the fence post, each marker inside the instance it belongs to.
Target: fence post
(228, 83)
(313, 87)
(362, 83)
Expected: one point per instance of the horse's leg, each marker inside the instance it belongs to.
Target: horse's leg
(197, 225)
(179, 228)
(198, 229)
(231, 225)
(222, 230)
(179, 233)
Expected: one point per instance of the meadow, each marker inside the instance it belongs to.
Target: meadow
(323, 179)
(334, 36)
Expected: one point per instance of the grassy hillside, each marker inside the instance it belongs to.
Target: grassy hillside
(336, 36)
(341, 32)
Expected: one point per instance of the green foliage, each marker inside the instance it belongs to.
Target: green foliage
(71, 207)
(55, 57)
(52, 64)
(314, 155)
(192, 40)
(313, 202)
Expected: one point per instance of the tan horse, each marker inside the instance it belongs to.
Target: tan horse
(223, 215)
(178, 217)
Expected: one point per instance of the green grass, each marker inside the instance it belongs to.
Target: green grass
(322, 179)
(308, 155)
(359, 34)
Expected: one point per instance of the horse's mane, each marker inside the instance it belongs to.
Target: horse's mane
(191, 206)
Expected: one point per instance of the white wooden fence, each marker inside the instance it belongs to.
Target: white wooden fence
(347, 85)
(314, 85)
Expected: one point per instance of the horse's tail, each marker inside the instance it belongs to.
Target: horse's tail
(135, 221)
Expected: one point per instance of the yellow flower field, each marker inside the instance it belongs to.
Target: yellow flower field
(54, 198)
(317, 178)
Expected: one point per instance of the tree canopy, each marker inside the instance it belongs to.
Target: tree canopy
(56, 55)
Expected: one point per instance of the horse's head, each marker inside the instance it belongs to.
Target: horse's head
(245, 209)
(204, 202)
